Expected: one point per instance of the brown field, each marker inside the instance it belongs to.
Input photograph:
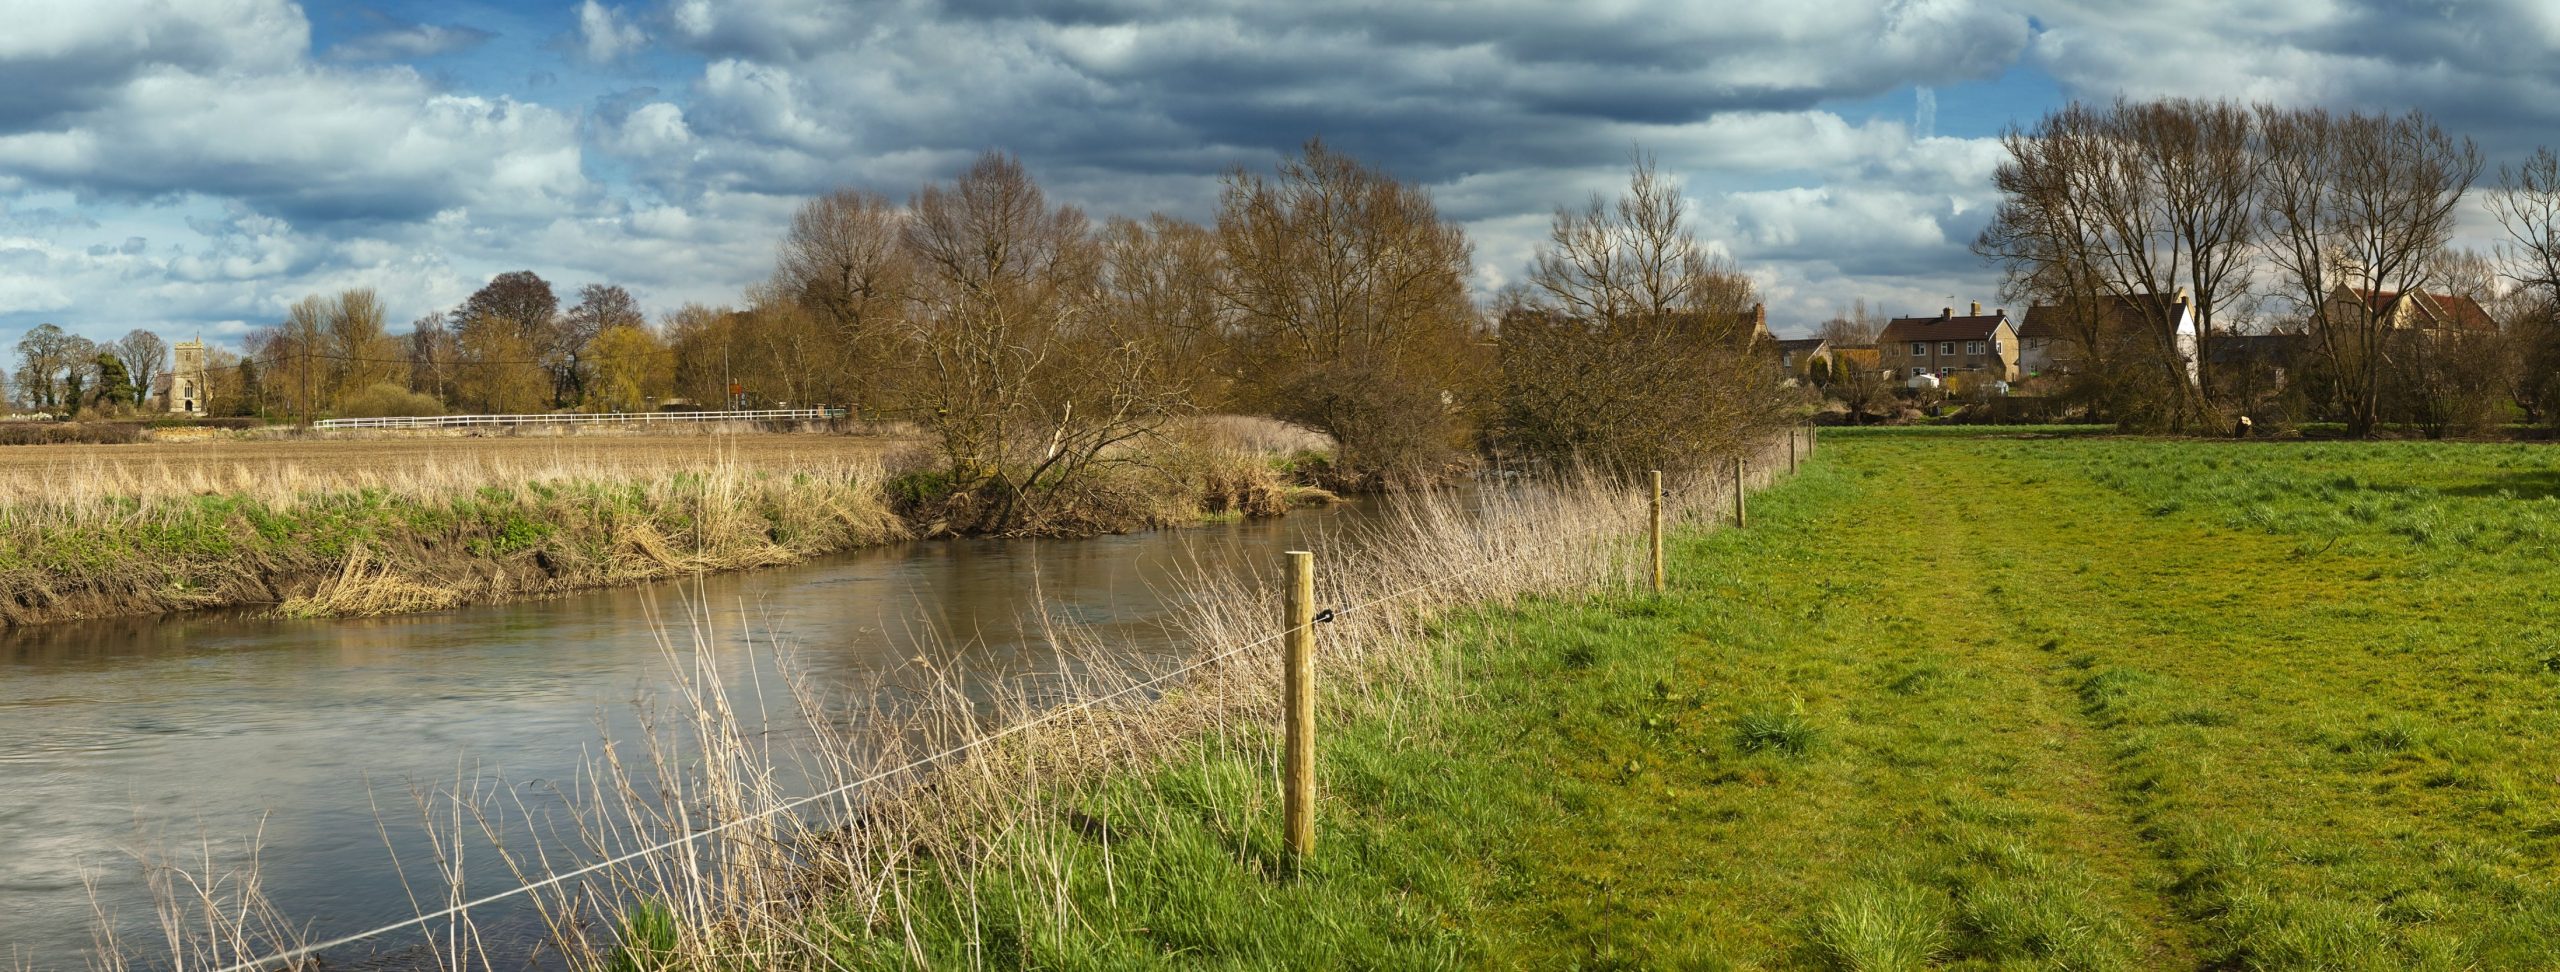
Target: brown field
(229, 465)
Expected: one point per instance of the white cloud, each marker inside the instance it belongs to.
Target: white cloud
(604, 36)
(409, 42)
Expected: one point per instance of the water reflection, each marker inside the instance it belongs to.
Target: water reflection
(116, 734)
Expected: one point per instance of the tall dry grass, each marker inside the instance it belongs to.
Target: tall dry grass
(712, 844)
(923, 790)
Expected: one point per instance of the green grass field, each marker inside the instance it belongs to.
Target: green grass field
(1955, 701)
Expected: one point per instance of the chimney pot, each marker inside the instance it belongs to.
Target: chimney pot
(1977, 308)
(1945, 313)
(1999, 312)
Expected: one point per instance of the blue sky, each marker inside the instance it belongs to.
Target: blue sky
(194, 166)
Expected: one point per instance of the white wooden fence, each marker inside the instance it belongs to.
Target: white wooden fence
(598, 418)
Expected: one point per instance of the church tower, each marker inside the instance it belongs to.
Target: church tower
(187, 387)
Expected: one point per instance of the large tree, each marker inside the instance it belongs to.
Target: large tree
(145, 356)
(2357, 210)
(524, 302)
(1633, 348)
(600, 308)
(2105, 209)
(1028, 387)
(847, 268)
(46, 354)
(1351, 310)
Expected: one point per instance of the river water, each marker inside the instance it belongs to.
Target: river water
(137, 736)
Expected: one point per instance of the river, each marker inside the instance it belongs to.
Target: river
(187, 730)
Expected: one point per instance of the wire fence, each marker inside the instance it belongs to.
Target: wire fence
(820, 414)
(1710, 483)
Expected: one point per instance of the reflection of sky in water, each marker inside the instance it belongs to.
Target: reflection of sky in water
(122, 734)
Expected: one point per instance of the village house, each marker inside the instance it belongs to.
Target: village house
(1948, 345)
(1799, 355)
(1857, 359)
(2416, 310)
(2051, 339)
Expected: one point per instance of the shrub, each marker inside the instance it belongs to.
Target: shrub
(384, 400)
(65, 433)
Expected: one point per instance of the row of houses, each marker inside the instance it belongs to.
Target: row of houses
(2052, 339)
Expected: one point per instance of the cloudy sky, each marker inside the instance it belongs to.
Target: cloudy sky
(193, 166)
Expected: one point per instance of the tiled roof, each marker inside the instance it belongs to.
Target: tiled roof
(2048, 320)
(1973, 328)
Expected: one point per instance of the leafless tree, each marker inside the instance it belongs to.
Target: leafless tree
(2120, 207)
(1028, 390)
(1352, 314)
(845, 265)
(1857, 327)
(432, 357)
(2356, 209)
(356, 351)
(145, 355)
(1160, 286)
(1634, 348)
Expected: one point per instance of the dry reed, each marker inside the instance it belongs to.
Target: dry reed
(929, 780)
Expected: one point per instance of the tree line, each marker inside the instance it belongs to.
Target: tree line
(2317, 227)
(1029, 341)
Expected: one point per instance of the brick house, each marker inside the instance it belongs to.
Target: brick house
(1947, 345)
(1798, 355)
(2052, 337)
(2417, 310)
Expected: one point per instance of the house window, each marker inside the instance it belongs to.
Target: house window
(1917, 372)
(1947, 347)
(1973, 347)
(1919, 348)
(1943, 372)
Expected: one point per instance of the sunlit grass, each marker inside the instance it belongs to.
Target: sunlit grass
(1951, 702)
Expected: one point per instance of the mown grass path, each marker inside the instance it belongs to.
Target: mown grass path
(1950, 702)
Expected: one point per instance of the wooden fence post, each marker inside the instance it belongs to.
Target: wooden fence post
(1299, 772)
(1791, 450)
(1737, 492)
(1657, 531)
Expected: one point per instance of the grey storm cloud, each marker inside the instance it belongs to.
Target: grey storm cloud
(348, 167)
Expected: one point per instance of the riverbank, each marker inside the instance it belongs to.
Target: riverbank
(2090, 704)
(1152, 793)
(384, 529)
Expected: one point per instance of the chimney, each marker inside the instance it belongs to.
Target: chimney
(1977, 308)
(1946, 313)
(1999, 312)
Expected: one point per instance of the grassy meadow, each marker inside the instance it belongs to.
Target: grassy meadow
(1952, 701)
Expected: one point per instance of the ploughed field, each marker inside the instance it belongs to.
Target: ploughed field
(1952, 700)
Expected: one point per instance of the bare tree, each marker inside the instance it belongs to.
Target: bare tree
(1857, 327)
(1352, 314)
(145, 355)
(1028, 389)
(845, 265)
(2356, 209)
(1634, 348)
(2111, 209)
(1160, 287)
(432, 358)
(601, 307)
(2527, 206)
(357, 351)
